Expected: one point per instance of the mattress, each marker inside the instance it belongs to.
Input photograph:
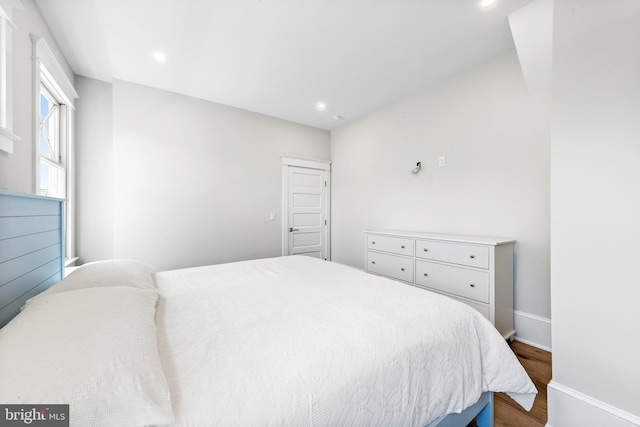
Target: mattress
(295, 341)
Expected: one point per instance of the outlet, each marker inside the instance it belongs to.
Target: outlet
(442, 161)
(272, 216)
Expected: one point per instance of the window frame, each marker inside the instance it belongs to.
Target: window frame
(48, 73)
(7, 137)
(59, 148)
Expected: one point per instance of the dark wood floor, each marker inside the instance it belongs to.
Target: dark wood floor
(507, 413)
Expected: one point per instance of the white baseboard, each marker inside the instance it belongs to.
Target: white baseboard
(568, 407)
(533, 330)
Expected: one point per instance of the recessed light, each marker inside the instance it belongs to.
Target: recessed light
(160, 57)
(487, 3)
(321, 106)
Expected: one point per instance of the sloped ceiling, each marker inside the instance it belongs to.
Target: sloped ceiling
(281, 57)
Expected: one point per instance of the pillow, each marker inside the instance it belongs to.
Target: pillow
(115, 272)
(94, 349)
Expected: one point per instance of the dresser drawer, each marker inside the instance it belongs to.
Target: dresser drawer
(394, 245)
(390, 265)
(454, 280)
(456, 253)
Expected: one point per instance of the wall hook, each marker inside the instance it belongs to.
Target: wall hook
(417, 168)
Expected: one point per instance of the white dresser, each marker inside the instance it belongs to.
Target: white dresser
(476, 270)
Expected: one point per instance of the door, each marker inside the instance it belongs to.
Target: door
(306, 224)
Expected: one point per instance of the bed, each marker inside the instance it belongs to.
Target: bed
(287, 341)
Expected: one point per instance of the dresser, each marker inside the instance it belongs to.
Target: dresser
(476, 270)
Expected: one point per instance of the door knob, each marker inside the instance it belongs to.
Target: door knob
(293, 229)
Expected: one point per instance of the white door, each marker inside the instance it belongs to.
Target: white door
(307, 207)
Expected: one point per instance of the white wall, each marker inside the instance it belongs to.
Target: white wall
(16, 170)
(595, 212)
(94, 169)
(495, 139)
(193, 182)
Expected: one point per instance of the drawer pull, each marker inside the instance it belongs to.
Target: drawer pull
(373, 262)
(373, 243)
(472, 256)
(401, 246)
(402, 269)
(472, 285)
(426, 250)
(426, 274)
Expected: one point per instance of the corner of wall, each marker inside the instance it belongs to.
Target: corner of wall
(568, 407)
(532, 330)
(532, 30)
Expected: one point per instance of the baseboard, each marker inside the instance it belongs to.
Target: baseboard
(568, 407)
(533, 330)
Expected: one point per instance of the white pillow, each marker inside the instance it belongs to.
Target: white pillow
(94, 349)
(114, 272)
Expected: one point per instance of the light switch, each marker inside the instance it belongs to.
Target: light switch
(272, 216)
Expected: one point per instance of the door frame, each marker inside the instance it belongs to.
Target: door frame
(300, 162)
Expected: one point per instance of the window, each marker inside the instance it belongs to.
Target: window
(7, 137)
(52, 168)
(53, 146)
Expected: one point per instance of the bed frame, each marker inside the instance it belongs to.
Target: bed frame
(31, 248)
(482, 411)
(32, 260)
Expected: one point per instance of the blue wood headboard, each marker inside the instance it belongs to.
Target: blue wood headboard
(31, 248)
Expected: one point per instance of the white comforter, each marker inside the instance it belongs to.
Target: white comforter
(296, 341)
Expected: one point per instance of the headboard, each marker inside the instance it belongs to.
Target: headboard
(31, 248)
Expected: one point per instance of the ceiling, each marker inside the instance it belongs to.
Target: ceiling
(281, 57)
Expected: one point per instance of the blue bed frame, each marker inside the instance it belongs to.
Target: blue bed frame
(482, 411)
(31, 248)
(32, 260)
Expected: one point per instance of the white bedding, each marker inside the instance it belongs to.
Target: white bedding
(93, 349)
(296, 341)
